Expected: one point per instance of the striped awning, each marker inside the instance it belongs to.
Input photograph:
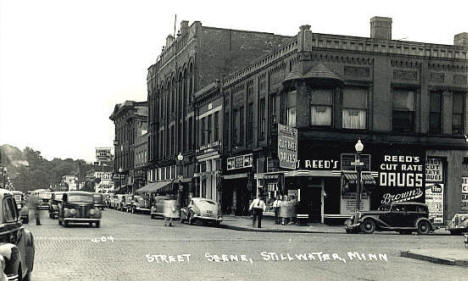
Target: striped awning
(351, 177)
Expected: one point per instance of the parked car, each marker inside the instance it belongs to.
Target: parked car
(458, 224)
(157, 209)
(115, 201)
(404, 217)
(99, 201)
(140, 204)
(17, 243)
(201, 209)
(20, 201)
(78, 207)
(126, 203)
(54, 201)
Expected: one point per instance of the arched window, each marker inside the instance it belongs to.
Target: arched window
(191, 85)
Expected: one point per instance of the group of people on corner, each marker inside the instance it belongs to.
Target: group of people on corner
(282, 215)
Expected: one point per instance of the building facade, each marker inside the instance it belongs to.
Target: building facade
(128, 118)
(406, 102)
(195, 58)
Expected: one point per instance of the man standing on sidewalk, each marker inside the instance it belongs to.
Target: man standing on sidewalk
(257, 207)
(276, 207)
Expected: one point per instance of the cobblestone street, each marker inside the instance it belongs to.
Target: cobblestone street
(74, 253)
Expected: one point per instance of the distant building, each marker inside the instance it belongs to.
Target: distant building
(71, 181)
(103, 156)
(141, 154)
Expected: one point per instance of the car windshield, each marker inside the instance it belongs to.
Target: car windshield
(18, 197)
(80, 198)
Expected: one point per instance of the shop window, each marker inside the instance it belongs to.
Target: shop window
(355, 108)
(321, 107)
(403, 110)
(261, 118)
(203, 187)
(457, 114)
(216, 126)
(435, 119)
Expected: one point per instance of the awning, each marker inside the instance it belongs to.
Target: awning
(365, 178)
(161, 186)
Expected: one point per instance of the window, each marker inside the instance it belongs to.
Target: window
(190, 133)
(184, 137)
(261, 118)
(241, 126)
(403, 111)
(226, 130)
(435, 119)
(355, 108)
(291, 110)
(457, 114)
(216, 126)
(172, 140)
(250, 123)
(173, 95)
(8, 210)
(272, 110)
(202, 131)
(235, 127)
(321, 107)
(208, 130)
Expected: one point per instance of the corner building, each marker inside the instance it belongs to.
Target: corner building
(406, 102)
(189, 62)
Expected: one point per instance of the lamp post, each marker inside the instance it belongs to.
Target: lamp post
(180, 175)
(120, 178)
(358, 164)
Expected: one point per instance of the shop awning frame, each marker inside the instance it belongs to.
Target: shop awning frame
(159, 186)
(366, 178)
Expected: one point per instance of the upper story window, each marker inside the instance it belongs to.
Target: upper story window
(321, 105)
(435, 118)
(458, 125)
(250, 123)
(355, 108)
(241, 126)
(209, 129)
(261, 118)
(235, 127)
(202, 131)
(403, 110)
(216, 126)
(291, 109)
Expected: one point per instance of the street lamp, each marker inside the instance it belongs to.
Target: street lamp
(120, 178)
(180, 175)
(359, 148)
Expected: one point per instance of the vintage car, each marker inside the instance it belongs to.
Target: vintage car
(54, 201)
(115, 201)
(23, 210)
(157, 209)
(44, 196)
(404, 217)
(458, 224)
(201, 209)
(17, 243)
(99, 201)
(78, 207)
(126, 203)
(140, 204)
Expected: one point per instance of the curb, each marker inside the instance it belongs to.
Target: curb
(240, 228)
(409, 254)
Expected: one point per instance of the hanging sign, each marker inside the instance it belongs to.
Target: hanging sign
(287, 146)
(434, 170)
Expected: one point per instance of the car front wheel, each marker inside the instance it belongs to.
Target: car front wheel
(368, 226)
(424, 227)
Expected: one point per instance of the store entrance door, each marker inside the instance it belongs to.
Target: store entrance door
(311, 203)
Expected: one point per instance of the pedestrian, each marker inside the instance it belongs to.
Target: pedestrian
(34, 207)
(276, 207)
(170, 212)
(257, 207)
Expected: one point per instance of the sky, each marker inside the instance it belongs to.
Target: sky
(64, 64)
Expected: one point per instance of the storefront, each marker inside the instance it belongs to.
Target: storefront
(209, 172)
(237, 185)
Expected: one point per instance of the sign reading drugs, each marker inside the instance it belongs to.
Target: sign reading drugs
(434, 170)
(401, 171)
(287, 146)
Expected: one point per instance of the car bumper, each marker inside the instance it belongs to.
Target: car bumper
(213, 219)
(81, 220)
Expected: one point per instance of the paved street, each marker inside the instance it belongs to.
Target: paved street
(186, 252)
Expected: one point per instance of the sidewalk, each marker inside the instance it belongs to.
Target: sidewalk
(244, 223)
(440, 256)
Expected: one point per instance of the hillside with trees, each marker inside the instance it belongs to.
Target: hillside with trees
(28, 170)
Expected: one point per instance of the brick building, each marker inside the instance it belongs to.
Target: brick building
(128, 118)
(406, 102)
(195, 58)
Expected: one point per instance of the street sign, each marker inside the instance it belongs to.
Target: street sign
(357, 163)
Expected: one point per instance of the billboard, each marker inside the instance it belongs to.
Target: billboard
(103, 154)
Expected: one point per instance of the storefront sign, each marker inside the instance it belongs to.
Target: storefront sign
(348, 203)
(239, 162)
(409, 195)
(287, 146)
(464, 195)
(318, 164)
(434, 170)
(401, 171)
(435, 201)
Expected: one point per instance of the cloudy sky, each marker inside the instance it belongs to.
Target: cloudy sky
(64, 64)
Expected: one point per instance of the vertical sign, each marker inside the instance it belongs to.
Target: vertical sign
(287, 146)
(434, 170)
(464, 194)
(435, 201)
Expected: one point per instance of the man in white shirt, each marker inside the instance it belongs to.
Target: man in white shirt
(257, 207)
(276, 207)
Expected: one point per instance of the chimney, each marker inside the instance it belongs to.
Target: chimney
(381, 28)
(461, 39)
(169, 40)
(304, 38)
(184, 27)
